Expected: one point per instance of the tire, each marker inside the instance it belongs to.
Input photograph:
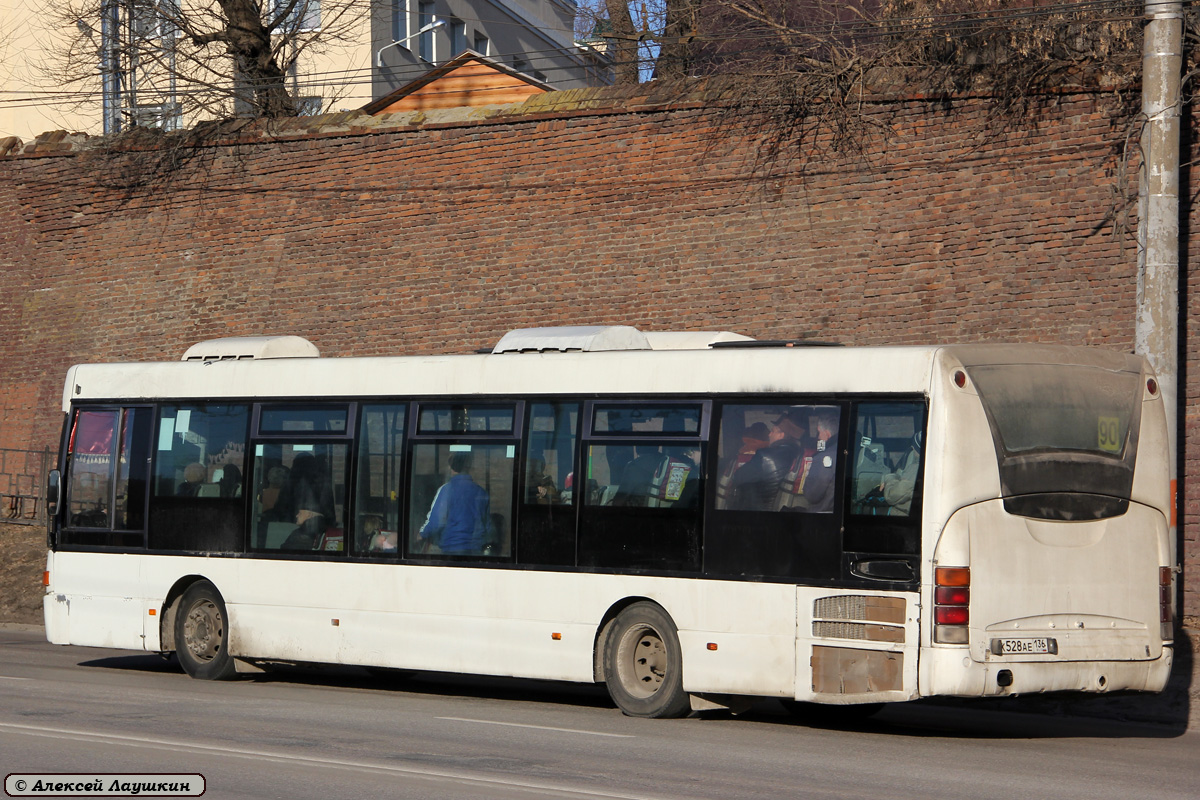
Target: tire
(826, 714)
(202, 634)
(643, 664)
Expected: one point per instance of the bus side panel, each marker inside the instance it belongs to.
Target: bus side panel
(55, 609)
(503, 622)
(486, 621)
(105, 606)
(497, 622)
(737, 638)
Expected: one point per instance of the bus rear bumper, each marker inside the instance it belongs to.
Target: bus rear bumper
(951, 672)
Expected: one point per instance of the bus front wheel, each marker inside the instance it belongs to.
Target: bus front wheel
(202, 634)
(643, 664)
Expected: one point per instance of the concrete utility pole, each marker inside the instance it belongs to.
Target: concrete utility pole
(110, 64)
(1157, 330)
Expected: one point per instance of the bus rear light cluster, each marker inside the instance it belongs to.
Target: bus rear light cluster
(1166, 622)
(951, 604)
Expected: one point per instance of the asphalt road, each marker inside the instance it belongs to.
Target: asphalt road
(330, 733)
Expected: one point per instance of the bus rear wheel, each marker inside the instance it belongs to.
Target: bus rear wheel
(643, 664)
(202, 634)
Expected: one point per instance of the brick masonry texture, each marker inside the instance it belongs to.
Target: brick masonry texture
(417, 234)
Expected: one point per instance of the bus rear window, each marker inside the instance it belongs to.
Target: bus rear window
(1062, 430)
(1060, 408)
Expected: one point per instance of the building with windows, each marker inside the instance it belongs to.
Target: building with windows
(30, 100)
(532, 37)
(136, 64)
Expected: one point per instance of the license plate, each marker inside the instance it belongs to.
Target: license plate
(1024, 647)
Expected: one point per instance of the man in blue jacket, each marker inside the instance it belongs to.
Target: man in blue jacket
(458, 520)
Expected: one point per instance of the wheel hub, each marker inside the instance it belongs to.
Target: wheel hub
(645, 663)
(202, 631)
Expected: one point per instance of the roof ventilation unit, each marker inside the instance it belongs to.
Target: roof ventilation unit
(693, 340)
(584, 338)
(593, 338)
(251, 348)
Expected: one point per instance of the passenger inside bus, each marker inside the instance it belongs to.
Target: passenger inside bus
(897, 487)
(193, 478)
(790, 453)
(742, 484)
(540, 488)
(689, 494)
(230, 482)
(888, 459)
(809, 483)
(378, 540)
(654, 478)
(306, 500)
(459, 521)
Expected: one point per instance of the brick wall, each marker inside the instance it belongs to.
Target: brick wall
(418, 234)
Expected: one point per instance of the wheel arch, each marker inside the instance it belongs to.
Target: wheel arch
(605, 626)
(170, 607)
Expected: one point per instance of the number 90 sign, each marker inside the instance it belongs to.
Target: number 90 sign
(1110, 434)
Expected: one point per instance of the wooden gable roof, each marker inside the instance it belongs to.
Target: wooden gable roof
(468, 79)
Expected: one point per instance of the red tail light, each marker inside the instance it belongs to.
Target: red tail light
(952, 595)
(950, 615)
(952, 600)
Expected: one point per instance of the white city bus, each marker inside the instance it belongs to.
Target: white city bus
(691, 519)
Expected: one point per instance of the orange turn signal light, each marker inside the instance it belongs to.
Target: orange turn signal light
(952, 576)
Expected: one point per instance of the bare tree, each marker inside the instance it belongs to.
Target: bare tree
(185, 61)
(647, 38)
(625, 41)
(950, 45)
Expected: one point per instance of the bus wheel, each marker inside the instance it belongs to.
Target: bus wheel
(202, 634)
(643, 664)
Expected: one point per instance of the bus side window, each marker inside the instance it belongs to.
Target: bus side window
(107, 476)
(197, 501)
(380, 461)
(461, 501)
(90, 469)
(887, 458)
(549, 469)
(551, 486)
(306, 512)
(778, 458)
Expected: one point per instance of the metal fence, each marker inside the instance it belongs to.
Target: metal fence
(23, 486)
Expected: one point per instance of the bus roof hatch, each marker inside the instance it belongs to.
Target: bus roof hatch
(593, 338)
(243, 348)
(586, 338)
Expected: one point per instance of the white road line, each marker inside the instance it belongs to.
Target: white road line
(538, 727)
(7, 678)
(543, 787)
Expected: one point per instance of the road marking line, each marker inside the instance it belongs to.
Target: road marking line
(553, 789)
(539, 727)
(7, 678)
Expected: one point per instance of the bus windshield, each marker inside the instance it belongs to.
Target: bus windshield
(1059, 430)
